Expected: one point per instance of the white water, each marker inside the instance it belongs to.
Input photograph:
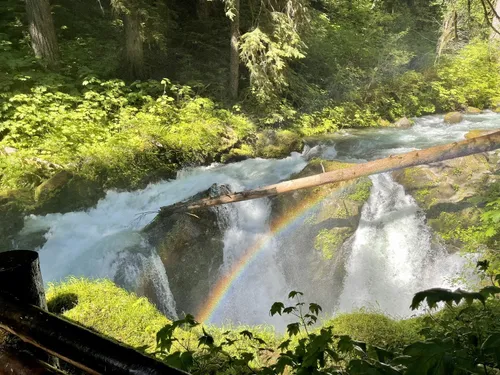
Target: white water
(391, 255)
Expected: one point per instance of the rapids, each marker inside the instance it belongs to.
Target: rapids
(388, 258)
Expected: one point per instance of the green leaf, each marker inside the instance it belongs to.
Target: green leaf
(247, 334)
(284, 345)
(430, 357)
(277, 308)
(492, 345)
(206, 339)
(315, 308)
(289, 310)
(293, 329)
(294, 293)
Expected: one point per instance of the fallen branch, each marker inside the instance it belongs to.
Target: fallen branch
(435, 154)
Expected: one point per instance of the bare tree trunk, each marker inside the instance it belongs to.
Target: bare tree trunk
(234, 64)
(430, 155)
(202, 10)
(134, 46)
(42, 32)
(495, 23)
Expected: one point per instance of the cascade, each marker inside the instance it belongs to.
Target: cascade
(392, 255)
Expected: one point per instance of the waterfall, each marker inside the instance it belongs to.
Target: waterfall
(260, 282)
(392, 255)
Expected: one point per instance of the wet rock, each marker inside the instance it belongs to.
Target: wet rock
(327, 217)
(190, 246)
(403, 123)
(453, 118)
(472, 111)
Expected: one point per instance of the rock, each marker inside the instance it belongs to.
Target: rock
(473, 111)
(453, 118)
(65, 192)
(51, 186)
(477, 133)
(8, 150)
(277, 144)
(451, 189)
(403, 123)
(14, 205)
(327, 216)
(191, 249)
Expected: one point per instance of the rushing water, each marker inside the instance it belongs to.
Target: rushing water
(389, 257)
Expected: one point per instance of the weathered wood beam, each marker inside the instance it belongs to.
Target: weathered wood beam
(435, 154)
(74, 344)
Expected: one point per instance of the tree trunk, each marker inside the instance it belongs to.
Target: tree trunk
(202, 10)
(134, 46)
(42, 32)
(234, 64)
(471, 146)
(495, 23)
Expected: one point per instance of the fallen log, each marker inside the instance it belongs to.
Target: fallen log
(435, 154)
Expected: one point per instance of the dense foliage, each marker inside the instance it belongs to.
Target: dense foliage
(309, 66)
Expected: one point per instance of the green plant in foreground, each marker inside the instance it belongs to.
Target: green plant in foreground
(462, 339)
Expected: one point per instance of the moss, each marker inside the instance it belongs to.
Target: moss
(376, 329)
(422, 194)
(109, 310)
(361, 191)
(328, 241)
(277, 144)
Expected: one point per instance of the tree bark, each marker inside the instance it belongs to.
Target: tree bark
(430, 155)
(234, 63)
(134, 45)
(495, 23)
(42, 32)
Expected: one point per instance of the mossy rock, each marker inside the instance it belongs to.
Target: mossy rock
(65, 192)
(243, 152)
(472, 111)
(478, 133)
(403, 123)
(453, 118)
(277, 144)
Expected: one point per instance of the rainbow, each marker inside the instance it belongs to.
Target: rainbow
(277, 227)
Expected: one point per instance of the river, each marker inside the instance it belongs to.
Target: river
(390, 256)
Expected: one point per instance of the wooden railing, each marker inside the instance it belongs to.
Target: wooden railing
(34, 340)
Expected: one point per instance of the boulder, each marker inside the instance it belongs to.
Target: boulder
(478, 132)
(50, 187)
(403, 123)
(190, 246)
(472, 111)
(453, 118)
(277, 144)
